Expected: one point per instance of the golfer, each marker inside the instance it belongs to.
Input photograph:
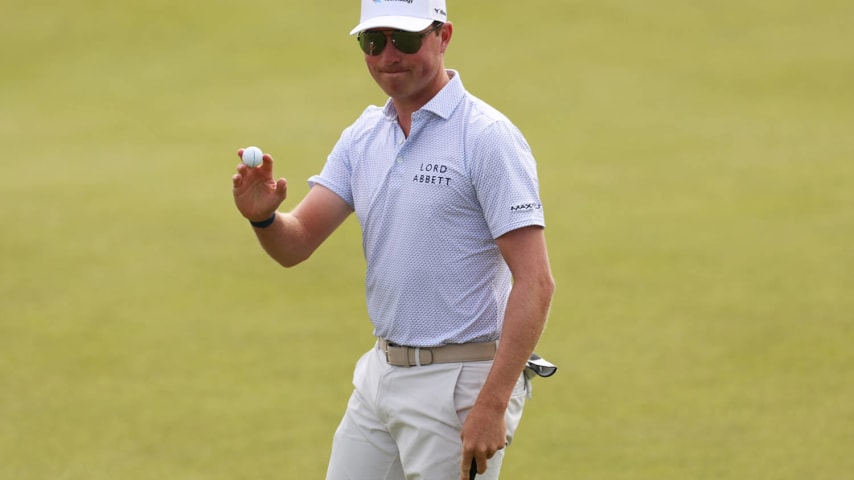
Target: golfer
(458, 282)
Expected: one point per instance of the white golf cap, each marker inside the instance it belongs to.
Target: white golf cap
(409, 15)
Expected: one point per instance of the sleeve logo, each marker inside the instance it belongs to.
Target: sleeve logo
(525, 207)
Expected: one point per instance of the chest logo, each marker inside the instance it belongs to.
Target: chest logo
(433, 174)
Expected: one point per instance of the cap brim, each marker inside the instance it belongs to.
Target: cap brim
(409, 24)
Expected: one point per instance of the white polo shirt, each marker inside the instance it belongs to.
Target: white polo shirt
(430, 207)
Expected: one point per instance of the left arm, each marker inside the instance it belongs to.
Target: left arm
(484, 431)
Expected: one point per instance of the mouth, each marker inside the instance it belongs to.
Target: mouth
(392, 71)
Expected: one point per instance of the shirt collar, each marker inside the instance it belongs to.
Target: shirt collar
(442, 104)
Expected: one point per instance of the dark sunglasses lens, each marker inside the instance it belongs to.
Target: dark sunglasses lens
(372, 43)
(407, 42)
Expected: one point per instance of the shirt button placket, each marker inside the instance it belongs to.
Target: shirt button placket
(400, 143)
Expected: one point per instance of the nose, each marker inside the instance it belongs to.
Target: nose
(389, 53)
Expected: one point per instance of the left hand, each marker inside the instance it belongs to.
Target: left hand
(484, 433)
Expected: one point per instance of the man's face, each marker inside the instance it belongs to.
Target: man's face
(410, 77)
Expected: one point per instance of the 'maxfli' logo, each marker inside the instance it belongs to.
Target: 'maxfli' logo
(524, 207)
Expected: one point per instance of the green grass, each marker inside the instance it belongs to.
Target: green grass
(696, 167)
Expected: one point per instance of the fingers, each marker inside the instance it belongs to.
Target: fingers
(476, 461)
(468, 468)
(471, 467)
(477, 466)
(266, 163)
(282, 188)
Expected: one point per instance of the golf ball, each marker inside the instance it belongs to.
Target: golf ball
(252, 156)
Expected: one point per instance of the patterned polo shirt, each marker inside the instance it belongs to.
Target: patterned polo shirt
(430, 207)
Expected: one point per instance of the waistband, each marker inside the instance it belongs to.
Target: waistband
(403, 356)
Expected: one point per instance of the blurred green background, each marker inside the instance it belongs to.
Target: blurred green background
(696, 170)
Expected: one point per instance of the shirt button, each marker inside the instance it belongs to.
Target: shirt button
(399, 159)
(401, 141)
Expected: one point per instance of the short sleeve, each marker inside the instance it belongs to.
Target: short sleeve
(504, 174)
(336, 173)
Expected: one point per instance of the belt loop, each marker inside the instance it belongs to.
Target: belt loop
(417, 356)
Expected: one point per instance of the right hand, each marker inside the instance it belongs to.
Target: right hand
(256, 194)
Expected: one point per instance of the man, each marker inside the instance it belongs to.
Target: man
(458, 281)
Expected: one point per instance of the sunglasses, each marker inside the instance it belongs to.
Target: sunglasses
(374, 41)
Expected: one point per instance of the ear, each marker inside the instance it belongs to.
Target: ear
(446, 33)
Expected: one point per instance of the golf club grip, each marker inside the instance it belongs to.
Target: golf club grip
(473, 469)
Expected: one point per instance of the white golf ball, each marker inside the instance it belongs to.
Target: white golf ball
(252, 156)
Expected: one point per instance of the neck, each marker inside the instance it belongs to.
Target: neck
(406, 106)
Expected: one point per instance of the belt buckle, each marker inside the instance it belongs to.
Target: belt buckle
(397, 355)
